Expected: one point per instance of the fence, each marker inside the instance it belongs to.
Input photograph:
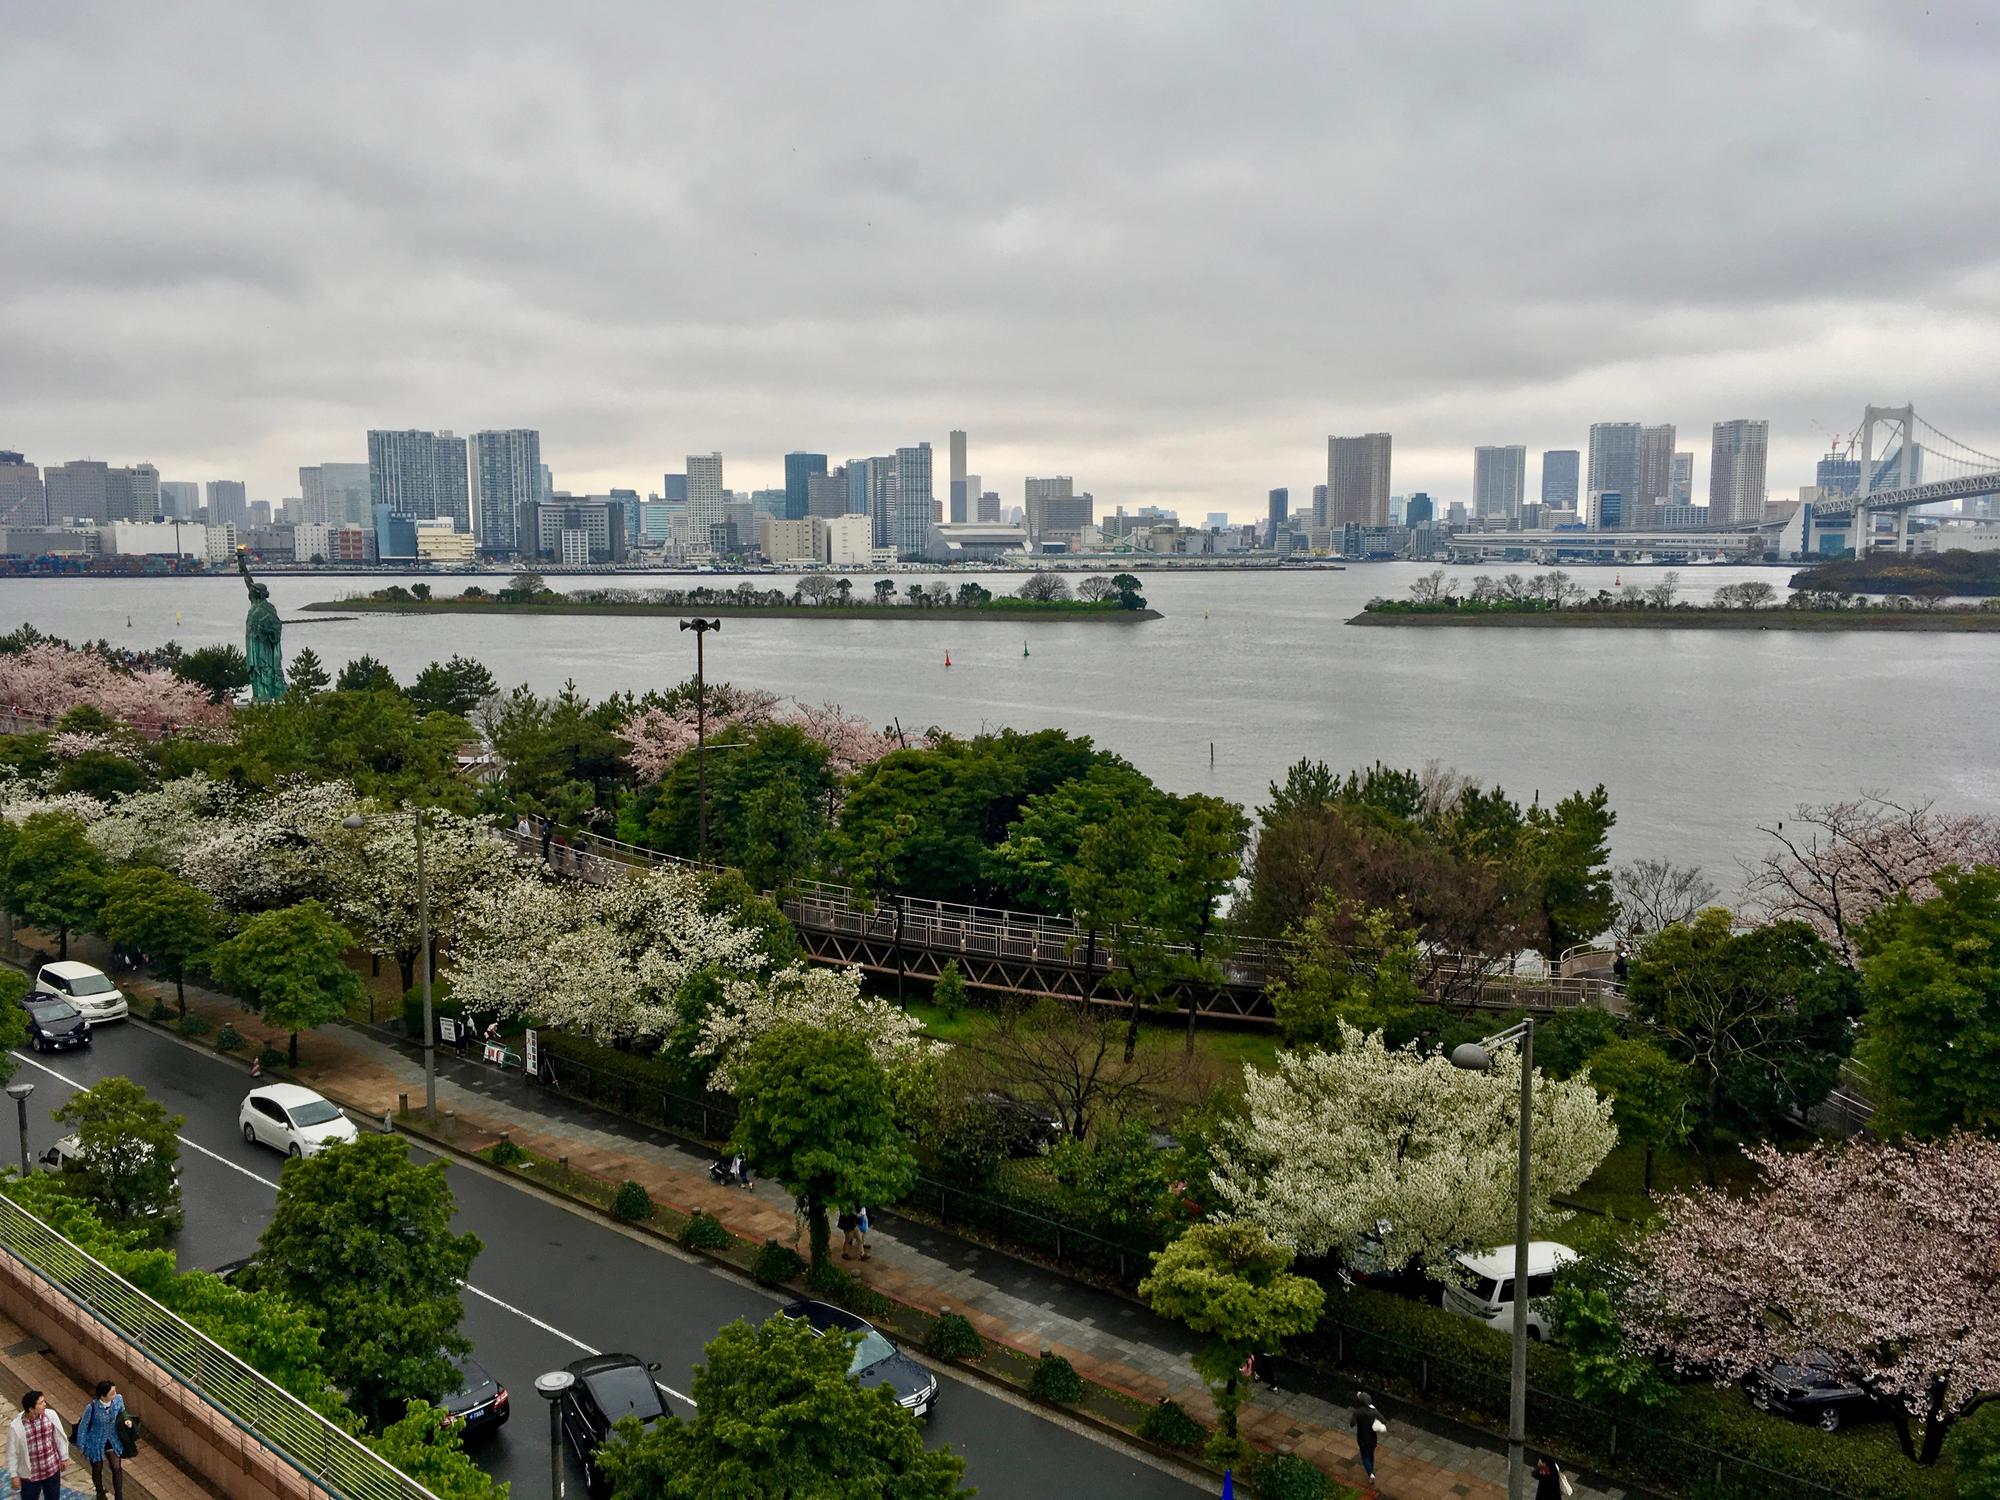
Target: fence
(307, 1443)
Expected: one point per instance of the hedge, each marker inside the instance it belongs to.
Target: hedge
(1705, 1441)
(644, 1087)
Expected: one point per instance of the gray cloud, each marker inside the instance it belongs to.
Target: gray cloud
(1165, 247)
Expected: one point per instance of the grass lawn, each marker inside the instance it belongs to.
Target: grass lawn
(1230, 1048)
(1617, 1185)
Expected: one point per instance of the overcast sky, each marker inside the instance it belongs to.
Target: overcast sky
(1165, 248)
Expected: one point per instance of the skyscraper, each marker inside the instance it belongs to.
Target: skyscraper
(1683, 478)
(1419, 510)
(181, 498)
(142, 499)
(1614, 461)
(1357, 480)
(798, 468)
(419, 474)
(1838, 476)
(674, 489)
(228, 505)
(23, 501)
(988, 506)
(959, 500)
(1281, 504)
(707, 506)
(1319, 505)
(1736, 473)
(827, 494)
(506, 478)
(1559, 476)
(1041, 495)
(1656, 475)
(911, 513)
(1499, 480)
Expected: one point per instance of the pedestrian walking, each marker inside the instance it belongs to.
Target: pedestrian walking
(548, 837)
(1550, 1481)
(97, 1439)
(849, 1224)
(36, 1451)
(1264, 1369)
(739, 1171)
(1368, 1426)
(861, 1225)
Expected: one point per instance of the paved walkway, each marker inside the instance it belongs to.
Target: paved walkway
(1108, 1337)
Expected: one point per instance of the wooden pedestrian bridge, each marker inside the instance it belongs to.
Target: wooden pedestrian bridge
(1029, 956)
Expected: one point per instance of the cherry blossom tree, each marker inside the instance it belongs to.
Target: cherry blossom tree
(276, 850)
(161, 826)
(1885, 1257)
(850, 741)
(1837, 862)
(1368, 1140)
(659, 736)
(803, 995)
(371, 879)
(51, 678)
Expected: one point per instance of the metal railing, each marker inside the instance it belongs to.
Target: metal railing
(334, 1460)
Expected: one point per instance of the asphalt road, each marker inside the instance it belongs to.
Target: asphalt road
(550, 1285)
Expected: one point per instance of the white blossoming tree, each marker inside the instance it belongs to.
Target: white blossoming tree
(276, 850)
(1885, 1257)
(802, 995)
(1336, 1145)
(160, 827)
(371, 879)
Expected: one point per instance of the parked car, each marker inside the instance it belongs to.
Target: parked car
(85, 987)
(1486, 1288)
(1813, 1388)
(1020, 1128)
(479, 1401)
(876, 1360)
(54, 1025)
(608, 1388)
(1371, 1264)
(293, 1120)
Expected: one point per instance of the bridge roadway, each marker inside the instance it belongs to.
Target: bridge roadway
(1030, 956)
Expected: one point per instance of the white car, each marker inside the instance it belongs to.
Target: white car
(293, 1120)
(88, 989)
(1486, 1291)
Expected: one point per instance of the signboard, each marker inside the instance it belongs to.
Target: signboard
(493, 1052)
(447, 1029)
(531, 1043)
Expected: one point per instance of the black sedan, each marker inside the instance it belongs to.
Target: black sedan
(876, 1360)
(479, 1402)
(55, 1025)
(608, 1388)
(1813, 1388)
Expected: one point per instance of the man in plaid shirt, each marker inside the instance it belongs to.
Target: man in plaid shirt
(37, 1452)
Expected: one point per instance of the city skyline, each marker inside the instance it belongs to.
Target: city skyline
(328, 237)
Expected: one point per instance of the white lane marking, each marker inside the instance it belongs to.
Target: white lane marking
(548, 1328)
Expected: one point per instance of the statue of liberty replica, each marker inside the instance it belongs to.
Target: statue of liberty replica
(261, 632)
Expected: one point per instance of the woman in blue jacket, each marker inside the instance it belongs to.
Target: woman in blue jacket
(97, 1438)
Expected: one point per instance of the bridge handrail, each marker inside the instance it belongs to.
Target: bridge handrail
(329, 1457)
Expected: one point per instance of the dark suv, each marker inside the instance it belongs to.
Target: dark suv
(1813, 1388)
(54, 1025)
(876, 1360)
(608, 1387)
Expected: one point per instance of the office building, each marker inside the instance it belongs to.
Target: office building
(179, 499)
(395, 535)
(988, 506)
(228, 503)
(142, 497)
(77, 491)
(1039, 495)
(1837, 476)
(962, 488)
(827, 494)
(969, 486)
(674, 489)
(335, 494)
(506, 478)
(1683, 492)
(419, 474)
(260, 513)
(1419, 510)
(577, 530)
(1614, 459)
(442, 543)
(1656, 474)
(847, 541)
(1610, 510)
(786, 541)
(1560, 474)
(799, 468)
(1318, 516)
(1277, 516)
(773, 503)
(912, 512)
(1357, 480)
(707, 502)
(1499, 480)
(1736, 473)
(23, 502)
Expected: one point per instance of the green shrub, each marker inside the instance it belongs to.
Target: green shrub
(271, 1057)
(1055, 1381)
(1170, 1427)
(228, 1039)
(830, 1282)
(161, 1011)
(949, 991)
(194, 1024)
(442, 1004)
(1975, 1449)
(632, 1204)
(704, 1232)
(776, 1264)
(1285, 1476)
(505, 1153)
(953, 1337)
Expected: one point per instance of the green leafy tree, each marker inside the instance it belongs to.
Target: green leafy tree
(306, 673)
(362, 1236)
(13, 1020)
(777, 1413)
(1126, 587)
(290, 967)
(1931, 972)
(429, 1447)
(1584, 1319)
(1233, 1284)
(1566, 859)
(765, 804)
(816, 1114)
(456, 687)
(1119, 887)
(128, 1162)
(366, 675)
(220, 671)
(1648, 1091)
(55, 876)
(1209, 857)
(1357, 966)
(149, 911)
(104, 774)
(1035, 861)
(1565, 1041)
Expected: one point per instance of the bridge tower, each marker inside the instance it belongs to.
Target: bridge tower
(1904, 420)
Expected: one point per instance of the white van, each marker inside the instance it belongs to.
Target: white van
(1485, 1288)
(85, 987)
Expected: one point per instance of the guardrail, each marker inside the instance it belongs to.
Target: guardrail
(333, 1460)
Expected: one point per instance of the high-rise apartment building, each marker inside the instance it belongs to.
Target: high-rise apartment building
(1499, 480)
(1559, 477)
(336, 495)
(1357, 480)
(1614, 462)
(1278, 516)
(23, 501)
(961, 492)
(1683, 493)
(914, 504)
(1656, 474)
(179, 499)
(1736, 473)
(1319, 505)
(1040, 496)
(707, 502)
(827, 494)
(988, 506)
(79, 490)
(506, 478)
(228, 503)
(799, 468)
(419, 474)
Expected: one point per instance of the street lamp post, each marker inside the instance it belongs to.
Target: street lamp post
(356, 820)
(1478, 1057)
(701, 628)
(20, 1092)
(552, 1387)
